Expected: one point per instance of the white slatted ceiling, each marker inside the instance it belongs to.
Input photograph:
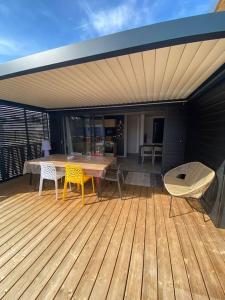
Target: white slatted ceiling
(162, 74)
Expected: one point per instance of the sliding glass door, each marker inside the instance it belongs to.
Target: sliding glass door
(85, 135)
(79, 134)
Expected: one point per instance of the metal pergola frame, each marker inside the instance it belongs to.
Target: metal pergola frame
(175, 32)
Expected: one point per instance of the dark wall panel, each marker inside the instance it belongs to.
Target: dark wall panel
(174, 140)
(56, 121)
(206, 143)
(174, 137)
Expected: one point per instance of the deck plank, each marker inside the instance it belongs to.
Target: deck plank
(120, 273)
(25, 272)
(180, 277)
(88, 278)
(69, 285)
(165, 276)
(135, 274)
(107, 249)
(104, 276)
(210, 278)
(214, 259)
(57, 279)
(196, 280)
(28, 242)
(150, 271)
(20, 222)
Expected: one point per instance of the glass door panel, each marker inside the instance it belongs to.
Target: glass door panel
(99, 136)
(80, 134)
(86, 135)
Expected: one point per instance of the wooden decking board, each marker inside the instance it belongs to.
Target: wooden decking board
(17, 266)
(55, 282)
(19, 232)
(212, 232)
(9, 202)
(93, 267)
(14, 210)
(22, 220)
(180, 278)
(89, 275)
(214, 255)
(23, 275)
(29, 241)
(165, 275)
(83, 257)
(196, 280)
(112, 249)
(123, 261)
(150, 270)
(135, 274)
(11, 219)
(101, 285)
(63, 268)
(210, 278)
(33, 286)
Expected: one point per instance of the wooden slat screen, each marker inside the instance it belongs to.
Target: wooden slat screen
(21, 132)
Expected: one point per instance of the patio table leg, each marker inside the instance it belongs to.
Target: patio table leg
(98, 186)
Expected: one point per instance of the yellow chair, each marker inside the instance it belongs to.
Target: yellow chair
(75, 174)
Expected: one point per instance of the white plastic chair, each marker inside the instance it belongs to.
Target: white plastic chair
(157, 153)
(190, 180)
(49, 172)
(147, 151)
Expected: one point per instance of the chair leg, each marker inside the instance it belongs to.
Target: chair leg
(99, 192)
(203, 215)
(82, 193)
(56, 189)
(93, 184)
(119, 188)
(65, 190)
(122, 175)
(40, 185)
(171, 202)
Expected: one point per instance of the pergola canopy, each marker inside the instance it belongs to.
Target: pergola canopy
(161, 62)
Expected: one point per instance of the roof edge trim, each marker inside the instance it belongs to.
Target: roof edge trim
(169, 33)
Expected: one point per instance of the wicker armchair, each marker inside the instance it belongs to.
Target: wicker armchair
(189, 180)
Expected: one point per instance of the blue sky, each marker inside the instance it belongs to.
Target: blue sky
(29, 26)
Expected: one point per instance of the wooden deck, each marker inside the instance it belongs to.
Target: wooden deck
(111, 249)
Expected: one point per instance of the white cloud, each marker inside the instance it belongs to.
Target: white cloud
(126, 15)
(112, 20)
(133, 13)
(7, 46)
(13, 48)
(50, 15)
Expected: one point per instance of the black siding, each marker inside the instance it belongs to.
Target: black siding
(56, 122)
(206, 143)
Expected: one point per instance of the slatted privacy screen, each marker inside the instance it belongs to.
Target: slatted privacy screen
(21, 133)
